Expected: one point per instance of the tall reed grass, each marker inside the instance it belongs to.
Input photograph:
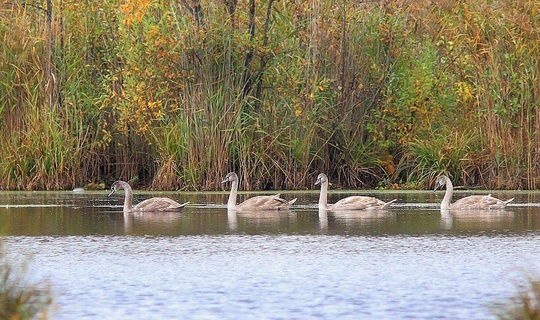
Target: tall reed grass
(375, 94)
(19, 298)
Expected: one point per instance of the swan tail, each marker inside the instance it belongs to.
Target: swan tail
(285, 202)
(183, 205)
(386, 205)
(508, 201)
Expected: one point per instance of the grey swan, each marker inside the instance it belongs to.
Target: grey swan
(257, 203)
(349, 203)
(149, 205)
(484, 202)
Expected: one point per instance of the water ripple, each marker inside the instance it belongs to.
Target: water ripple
(277, 276)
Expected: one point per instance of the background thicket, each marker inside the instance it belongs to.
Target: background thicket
(178, 93)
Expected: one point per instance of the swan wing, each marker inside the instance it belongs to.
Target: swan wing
(479, 202)
(273, 202)
(495, 203)
(159, 204)
(470, 202)
(359, 203)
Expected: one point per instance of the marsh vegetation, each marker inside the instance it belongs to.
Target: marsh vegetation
(19, 297)
(375, 94)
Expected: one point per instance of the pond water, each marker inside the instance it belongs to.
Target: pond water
(410, 262)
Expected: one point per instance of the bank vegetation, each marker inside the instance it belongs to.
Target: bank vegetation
(377, 94)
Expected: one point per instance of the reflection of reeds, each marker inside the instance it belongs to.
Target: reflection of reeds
(20, 299)
(525, 305)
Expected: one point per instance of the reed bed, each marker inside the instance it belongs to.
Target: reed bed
(375, 94)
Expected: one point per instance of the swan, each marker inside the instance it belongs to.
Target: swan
(467, 203)
(148, 205)
(349, 203)
(257, 203)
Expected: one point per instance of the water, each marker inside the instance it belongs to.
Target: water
(410, 262)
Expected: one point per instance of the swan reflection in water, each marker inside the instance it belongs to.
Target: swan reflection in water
(260, 218)
(232, 220)
(355, 217)
(149, 218)
(476, 219)
(323, 219)
(364, 218)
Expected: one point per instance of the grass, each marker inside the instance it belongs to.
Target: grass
(179, 95)
(524, 305)
(19, 298)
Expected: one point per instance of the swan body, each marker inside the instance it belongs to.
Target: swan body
(258, 203)
(483, 202)
(148, 205)
(349, 203)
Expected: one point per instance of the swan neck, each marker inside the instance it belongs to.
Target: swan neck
(445, 204)
(231, 204)
(323, 197)
(128, 198)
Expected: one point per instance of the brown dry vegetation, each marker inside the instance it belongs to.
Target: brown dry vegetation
(375, 94)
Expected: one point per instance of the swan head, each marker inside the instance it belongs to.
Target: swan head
(441, 181)
(321, 178)
(230, 177)
(117, 185)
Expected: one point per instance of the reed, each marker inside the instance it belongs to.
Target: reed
(34, 145)
(19, 298)
(524, 305)
(178, 94)
(454, 152)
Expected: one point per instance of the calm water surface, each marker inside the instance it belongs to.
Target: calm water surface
(410, 262)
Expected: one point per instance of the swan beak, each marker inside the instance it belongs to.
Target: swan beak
(226, 180)
(111, 193)
(437, 186)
